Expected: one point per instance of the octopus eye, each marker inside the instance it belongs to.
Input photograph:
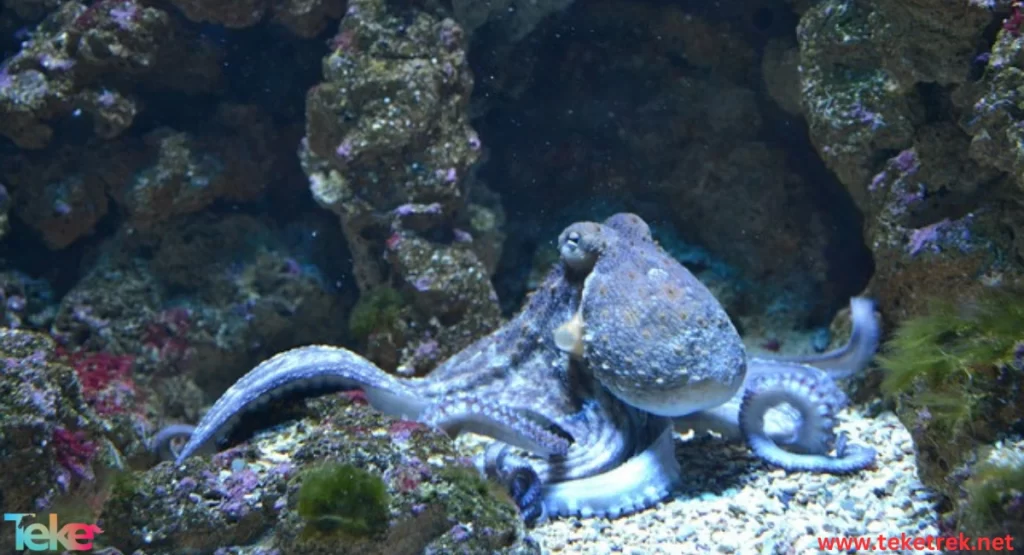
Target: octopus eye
(575, 254)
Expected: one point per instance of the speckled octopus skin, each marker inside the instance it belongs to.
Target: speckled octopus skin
(583, 389)
(651, 332)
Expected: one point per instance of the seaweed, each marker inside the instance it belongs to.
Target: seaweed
(946, 362)
(377, 310)
(995, 492)
(343, 499)
(954, 339)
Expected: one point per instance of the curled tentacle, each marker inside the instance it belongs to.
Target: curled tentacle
(724, 419)
(780, 424)
(817, 400)
(858, 351)
(163, 443)
(312, 367)
(518, 427)
(647, 477)
(518, 477)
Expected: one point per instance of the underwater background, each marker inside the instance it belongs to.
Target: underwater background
(190, 187)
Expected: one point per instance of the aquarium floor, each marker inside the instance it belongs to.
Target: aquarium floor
(734, 503)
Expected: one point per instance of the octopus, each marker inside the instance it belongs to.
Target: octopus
(583, 391)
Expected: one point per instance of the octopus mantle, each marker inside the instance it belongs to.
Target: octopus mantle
(582, 391)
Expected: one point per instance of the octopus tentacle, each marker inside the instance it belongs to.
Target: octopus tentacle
(817, 400)
(641, 481)
(311, 367)
(859, 349)
(163, 443)
(521, 428)
(611, 432)
(518, 477)
(780, 424)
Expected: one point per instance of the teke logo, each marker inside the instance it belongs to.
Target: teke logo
(37, 537)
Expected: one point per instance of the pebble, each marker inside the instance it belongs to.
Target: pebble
(685, 532)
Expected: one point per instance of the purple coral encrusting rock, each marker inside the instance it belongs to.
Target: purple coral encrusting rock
(989, 113)
(200, 505)
(860, 64)
(929, 232)
(929, 184)
(229, 312)
(63, 193)
(77, 46)
(389, 149)
(447, 284)
(25, 302)
(246, 497)
(389, 125)
(184, 173)
(52, 444)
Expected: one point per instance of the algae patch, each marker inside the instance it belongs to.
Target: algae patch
(377, 310)
(343, 499)
(947, 361)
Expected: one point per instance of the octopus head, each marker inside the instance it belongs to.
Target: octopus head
(581, 244)
(630, 226)
(647, 329)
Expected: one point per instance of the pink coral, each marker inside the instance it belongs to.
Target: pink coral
(74, 452)
(167, 334)
(106, 380)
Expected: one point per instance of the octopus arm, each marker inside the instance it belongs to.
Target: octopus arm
(518, 476)
(304, 368)
(859, 349)
(816, 399)
(162, 444)
(520, 428)
(643, 480)
(781, 425)
(723, 420)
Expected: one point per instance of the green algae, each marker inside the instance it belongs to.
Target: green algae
(955, 374)
(947, 360)
(470, 497)
(343, 499)
(377, 310)
(955, 339)
(995, 487)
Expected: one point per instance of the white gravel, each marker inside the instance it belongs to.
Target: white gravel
(733, 503)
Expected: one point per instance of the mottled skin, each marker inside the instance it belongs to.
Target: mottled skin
(651, 332)
(577, 389)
